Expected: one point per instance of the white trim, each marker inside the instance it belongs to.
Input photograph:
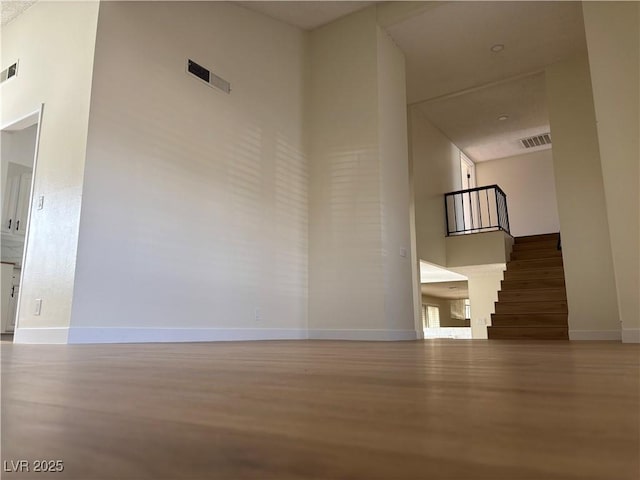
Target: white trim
(23, 122)
(163, 335)
(448, 332)
(52, 335)
(631, 335)
(595, 335)
(364, 335)
(27, 231)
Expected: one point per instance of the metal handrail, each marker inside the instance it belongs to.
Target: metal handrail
(481, 213)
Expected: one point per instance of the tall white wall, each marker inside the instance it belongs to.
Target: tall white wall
(435, 167)
(195, 209)
(613, 38)
(588, 265)
(394, 183)
(360, 286)
(530, 187)
(54, 43)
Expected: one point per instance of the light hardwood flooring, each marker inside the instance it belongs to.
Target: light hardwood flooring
(439, 409)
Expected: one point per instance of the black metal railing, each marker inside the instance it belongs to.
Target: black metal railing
(475, 210)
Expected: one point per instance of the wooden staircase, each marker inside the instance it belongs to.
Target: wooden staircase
(532, 303)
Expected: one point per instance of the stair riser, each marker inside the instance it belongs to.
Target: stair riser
(539, 333)
(538, 320)
(534, 274)
(535, 263)
(532, 296)
(546, 245)
(531, 307)
(546, 237)
(532, 284)
(533, 254)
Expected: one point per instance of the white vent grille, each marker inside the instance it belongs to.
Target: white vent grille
(536, 140)
(9, 72)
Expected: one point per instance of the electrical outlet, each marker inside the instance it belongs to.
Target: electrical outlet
(40, 202)
(258, 315)
(37, 306)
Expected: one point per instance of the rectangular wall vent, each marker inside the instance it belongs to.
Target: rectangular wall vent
(536, 140)
(9, 72)
(206, 76)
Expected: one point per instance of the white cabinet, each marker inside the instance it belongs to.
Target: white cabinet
(9, 286)
(15, 209)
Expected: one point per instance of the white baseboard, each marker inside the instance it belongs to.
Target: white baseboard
(448, 332)
(363, 335)
(595, 335)
(165, 335)
(55, 336)
(631, 335)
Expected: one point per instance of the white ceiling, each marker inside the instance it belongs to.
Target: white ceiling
(307, 14)
(447, 47)
(471, 120)
(432, 273)
(450, 63)
(9, 10)
(448, 290)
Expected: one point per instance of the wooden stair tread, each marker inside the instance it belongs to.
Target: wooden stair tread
(535, 254)
(532, 301)
(532, 307)
(537, 238)
(535, 263)
(533, 295)
(532, 284)
(528, 332)
(535, 273)
(542, 245)
(525, 320)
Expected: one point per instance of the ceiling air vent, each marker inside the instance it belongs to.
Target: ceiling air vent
(206, 76)
(536, 140)
(9, 72)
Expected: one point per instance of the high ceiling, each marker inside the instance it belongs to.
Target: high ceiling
(453, 76)
(448, 47)
(476, 121)
(9, 10)
(463, 86)
(306, 15)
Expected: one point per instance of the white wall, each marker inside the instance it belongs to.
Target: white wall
(360, 287)
(613, 38)
(54, 42)
(484, 284)
(435, 168)
(529, 185)
(588, 266)
(485, 248)
(195, 208)
(394, 182)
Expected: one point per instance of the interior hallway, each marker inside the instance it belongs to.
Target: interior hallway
(440, 409)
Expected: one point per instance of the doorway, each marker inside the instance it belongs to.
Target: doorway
(468, 177)
(445, 303)
(18, 151)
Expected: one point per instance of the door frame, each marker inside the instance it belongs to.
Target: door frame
(25, 121)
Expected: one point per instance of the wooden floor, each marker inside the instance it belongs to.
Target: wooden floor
(439, 409)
